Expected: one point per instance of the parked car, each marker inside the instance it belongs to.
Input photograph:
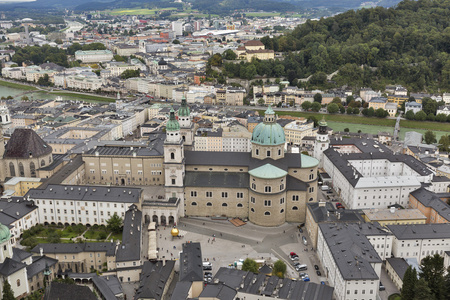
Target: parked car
(207, 265)
(208, 274)
(305, 241)
(306, 279)
(296, 263)
(316, 267)
(329, 192)
(318, 273)
(382, 288)
(303, 275)
(300, 230)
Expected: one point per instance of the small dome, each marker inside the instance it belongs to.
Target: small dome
(184, 110)
(5, 234)
(174, 232)
(269, 132)
(172, 124)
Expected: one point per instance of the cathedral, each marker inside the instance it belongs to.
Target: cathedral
(266, 186)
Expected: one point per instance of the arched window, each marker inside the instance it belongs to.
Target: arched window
(311, 199)
(224, 204)
(295, 208)
(253, 210)
(267, 213)
(184, 138)
(12, 170)
(18, 282)
(21, 170)
(239, 205)
(172, 155)
(42, 163)
(32, 169)
(1, 119)
(50, 159)
(209, 204)
(281, 211)
(6, 117)
(194, 203)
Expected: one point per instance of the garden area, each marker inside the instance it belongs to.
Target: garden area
(68, 234)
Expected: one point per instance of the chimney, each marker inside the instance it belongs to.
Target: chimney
(41, 251)
(392, 209)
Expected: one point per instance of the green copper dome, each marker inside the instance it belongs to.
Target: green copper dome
(323, 123)
(5, 234)
(184, 110)
(268, 171)
(269, 132)
(172, 124)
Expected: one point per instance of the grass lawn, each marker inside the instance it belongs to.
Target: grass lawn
(262, 14)
(68, 233)
(94, 234)
(435, 126)
(17, 86)
(84, 97)
(117, 236)
(137, 11)
(394, 297)
(44, 241)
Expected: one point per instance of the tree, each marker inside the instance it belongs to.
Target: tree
(318, 98)
(370, 112)
(315, 106)
(229, 55)
(53, 237)
(349, 110)
(432, 271)
(441, 117)
(114, 223)
(346, 130)
(446, 287)
(341, 108)
(381, 113)
(444, 143)
(429, 137)
(44, 80)
(215, 60)
(356, 111)
(279, 268)
(130, 73)
(176, 42)
(420, 116)
(336, 100)
(409, 283)
(314, 119)
(8, 294)
(250, 265)
(409, 115)
(332, 108)
(422, 291)
(306, 105)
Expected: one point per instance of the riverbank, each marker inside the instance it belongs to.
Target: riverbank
(17, 86)
(84, 96)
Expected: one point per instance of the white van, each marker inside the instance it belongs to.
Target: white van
(207, 265)
(324, 187)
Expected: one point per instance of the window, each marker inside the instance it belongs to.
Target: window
(12, 170)
(311, 199)
(311, 176)
(209, 204)
(21, 170)
(268, 189)
(224, 204)
(18, 282)
(268, 153)
(173, 180)
(252, 210)
(267, 202)
(32, 169)
(257, 151)
(281, 211)
(239, 205)
(194, 203)
(193, 194)
(311, 189)
(295, 208)
(252, 199)
(282, 200)
(281, 186)
(254, 186)
(172, 155)
(42, 163)
(279, 151)
(224, 195)
(208, 194)
(267, 213)
(240, 195)
(294, 197)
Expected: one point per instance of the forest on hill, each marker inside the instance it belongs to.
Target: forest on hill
(408, 45)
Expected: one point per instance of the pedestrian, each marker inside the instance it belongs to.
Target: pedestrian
(208, 241)
(221, 234)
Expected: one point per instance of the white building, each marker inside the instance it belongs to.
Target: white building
(350, 263)
(66, 204)
(414, 106)
(177, 27)
(446, 98)
(366, 174)
(83, 82)
(93, 56)
(420, 240)
(443, 110)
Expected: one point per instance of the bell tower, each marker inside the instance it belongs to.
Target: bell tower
(174, 161)
(322, 142)
(186, 125)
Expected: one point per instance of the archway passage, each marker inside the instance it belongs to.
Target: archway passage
(122, 181)
(147, 219)
(171, 220)
(163, 220)
(155, 219)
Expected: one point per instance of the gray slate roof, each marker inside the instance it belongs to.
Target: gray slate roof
(399, 265)
(10, 266)
(108, 286)
(107, 247)
(86, 193)
(39, 264)
(154, 278)
(216, 179)
(430, 199)
(64, 291)
(191, 264)
(130, 248)
(420, 231)
(25, 142)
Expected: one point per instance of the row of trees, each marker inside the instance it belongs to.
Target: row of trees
(279, 267)
(422, 116)
(433, 283)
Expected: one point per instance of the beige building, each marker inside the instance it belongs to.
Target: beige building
(21, 185)
(378, 102)
(254, 49)
(393, 216)
(297, 130)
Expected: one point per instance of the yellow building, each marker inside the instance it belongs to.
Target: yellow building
(378, 102)
(398, 99)
(19, 186)
(394, 216)
(254, 49)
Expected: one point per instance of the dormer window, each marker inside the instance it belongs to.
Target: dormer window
(268, 153)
